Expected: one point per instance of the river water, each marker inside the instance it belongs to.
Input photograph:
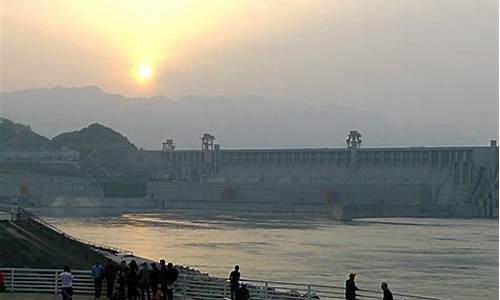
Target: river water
(448, 258)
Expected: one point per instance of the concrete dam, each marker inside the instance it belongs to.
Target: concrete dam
(458, 181)
(352, 181)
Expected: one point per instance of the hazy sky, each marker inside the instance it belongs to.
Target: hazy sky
(413, 61)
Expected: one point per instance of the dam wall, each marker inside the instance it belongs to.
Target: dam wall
(451, 181)
(457, 181)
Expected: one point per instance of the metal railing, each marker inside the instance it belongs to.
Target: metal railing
(22, 280)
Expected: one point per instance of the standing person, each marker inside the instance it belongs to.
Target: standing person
(109, 274)
(155, 278)
(163, 279)
(350, 287)
(172, 275)
(144, 280)
(122, 276)
(96, 272)
(132, 280)
(387, 292)
(66, 283)
(234, 280)
(242, 293)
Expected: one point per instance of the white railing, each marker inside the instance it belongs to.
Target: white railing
(21, 280)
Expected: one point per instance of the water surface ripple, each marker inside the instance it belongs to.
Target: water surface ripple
(449, 258)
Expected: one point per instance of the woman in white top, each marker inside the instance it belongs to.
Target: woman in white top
(66, 283)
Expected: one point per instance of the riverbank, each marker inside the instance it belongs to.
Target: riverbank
(30, 244)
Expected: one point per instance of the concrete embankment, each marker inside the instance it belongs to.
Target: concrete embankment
(28, 243)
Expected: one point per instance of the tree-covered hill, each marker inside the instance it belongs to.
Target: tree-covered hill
(95, 136)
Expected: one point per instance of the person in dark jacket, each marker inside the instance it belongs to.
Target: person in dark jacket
(155, 278)
(132, 280)
(387, 292)
(145, 281)
(234, 279)
(122, 276)
(350, 287)
(163, 279)
(109, 274)
(172, 275)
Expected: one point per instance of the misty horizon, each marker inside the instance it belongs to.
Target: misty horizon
(147, 121)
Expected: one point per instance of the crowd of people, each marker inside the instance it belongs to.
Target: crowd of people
(129, 281)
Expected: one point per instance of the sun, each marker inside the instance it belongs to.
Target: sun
(144, 72)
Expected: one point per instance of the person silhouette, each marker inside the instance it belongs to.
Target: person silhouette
(155, 278)
(234, 280)
(172, 275)
(350, 288)
(110, 275)
(97, 274)
(387, 292)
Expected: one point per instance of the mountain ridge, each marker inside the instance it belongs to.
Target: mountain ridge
(237, 122)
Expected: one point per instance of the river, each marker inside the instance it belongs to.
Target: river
(448, 258)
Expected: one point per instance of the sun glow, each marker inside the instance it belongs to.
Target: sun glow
(136, 45)
(144, 72)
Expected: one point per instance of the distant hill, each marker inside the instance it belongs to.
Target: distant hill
(15, 136)
(104, 151)
(95, 136)
(240, 122)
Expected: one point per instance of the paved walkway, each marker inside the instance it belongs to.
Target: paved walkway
(9, 296)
